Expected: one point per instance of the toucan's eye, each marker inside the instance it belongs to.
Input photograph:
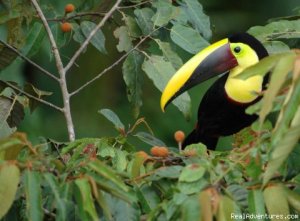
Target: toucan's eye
(237, 49)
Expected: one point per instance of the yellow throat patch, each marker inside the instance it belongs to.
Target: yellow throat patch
(243, 91)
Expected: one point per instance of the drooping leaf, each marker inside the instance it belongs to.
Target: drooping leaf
(125, 43)
(276, 47)
(160, 71)
(169, 54)
(34, 40)
(11, 111)
(196, 16)
(148, 197)
(164, 12)
(133, 77)
(7, 56)
(78, 35)
(32, 182)
(188, 38)
(149, 139)
(112, 117)
(143, 18)
(293, 199)
(98, 41)
(276, 201)
(85, 201)
(256, 203)
(60, 204)
(226, 209)
(9, 179)
(192, 173)
(132, 26)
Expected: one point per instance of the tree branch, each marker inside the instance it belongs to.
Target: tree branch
(61, 71)
(113, 65)
(44, 71)
(100, 14)
(91, 35)
(33, 97)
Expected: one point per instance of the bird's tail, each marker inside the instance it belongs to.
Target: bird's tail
(196, 137)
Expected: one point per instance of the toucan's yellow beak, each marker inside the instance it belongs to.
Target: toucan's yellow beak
(213, 60)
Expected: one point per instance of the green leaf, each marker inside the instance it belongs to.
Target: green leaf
(192, 187)
(112, 117)
(200, 148)
(11, 146)
(32, 182)
(276, 47)
(7, 56)
(281, 152)
(11, 111)
(169, 54)
(78, 36)
(148, 198)
(226, 209)
(172, 172)
(85, 200)
(160, 72)
(105, 171)
(293, 199)
(191, 173)
(190, 209)
(120, 160)
(256, 203)
(9, 179)
(60, 203)
(59, 36)
(143, 18)
(34, 40)
(188, 38)
(149, 139)
(164, 12)
(196, 16)
(133, 77)
(125, 43)
(98, 40)
(137, 163)
(132, 26)
(276, 201)
(283, 29)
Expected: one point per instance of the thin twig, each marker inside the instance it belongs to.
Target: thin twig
(100, 14)
(44, 71)
(113, 65)
(91, 35)
(61, 71)
(33, 97)
(135, 5)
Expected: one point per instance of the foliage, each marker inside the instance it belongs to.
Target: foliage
(106, 178)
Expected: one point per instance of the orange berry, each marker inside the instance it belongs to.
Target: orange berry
(179, 136)
(66, 27)
(159, 151)
(142, 154)
(69, 8)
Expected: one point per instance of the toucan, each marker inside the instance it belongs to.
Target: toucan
(222, 108)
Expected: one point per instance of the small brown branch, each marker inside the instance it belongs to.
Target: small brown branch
(61, 71)
(113, 65)
(135, 5)
(33, 97)
(77, 15)
(91, 35)
(44, 71)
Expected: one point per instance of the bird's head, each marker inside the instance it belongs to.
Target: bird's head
(231, 54)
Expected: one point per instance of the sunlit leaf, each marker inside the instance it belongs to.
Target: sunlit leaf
(98, 40)
(191, 173)
(293, 199)
(276, 201)
(275, 47)
(226, 209)
(160, 72)
(9, 179)
(188, 38)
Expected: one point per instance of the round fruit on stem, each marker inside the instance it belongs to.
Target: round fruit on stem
(66, 27)
(69, 8)
(159, 151)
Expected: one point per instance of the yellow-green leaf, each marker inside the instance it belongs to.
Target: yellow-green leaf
(9, 180)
